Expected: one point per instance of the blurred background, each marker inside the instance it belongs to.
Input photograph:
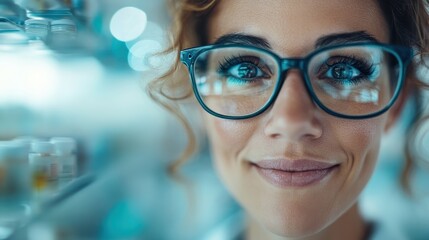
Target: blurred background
(77, 69)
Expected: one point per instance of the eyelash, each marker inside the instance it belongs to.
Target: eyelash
(362, 65)
(229, 62)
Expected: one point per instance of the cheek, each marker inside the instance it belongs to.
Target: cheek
(359, 139)
(227, 139)
(360, 142)
(358, 136)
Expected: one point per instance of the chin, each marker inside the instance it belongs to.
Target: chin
(295, 227)
(294, 219)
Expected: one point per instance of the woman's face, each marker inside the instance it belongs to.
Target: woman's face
(294, 134)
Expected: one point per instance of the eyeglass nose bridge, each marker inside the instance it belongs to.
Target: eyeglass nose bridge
(289, 63)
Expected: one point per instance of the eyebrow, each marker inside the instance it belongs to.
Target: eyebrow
(346, 37)
(245, 39)
(331, 39)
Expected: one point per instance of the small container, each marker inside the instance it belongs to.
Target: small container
(62, 26)
(67, 164)
(44, 170)
(37, 28)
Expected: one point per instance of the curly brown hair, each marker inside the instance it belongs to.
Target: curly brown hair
(409, 26)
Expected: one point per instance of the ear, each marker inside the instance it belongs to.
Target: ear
(395, 111)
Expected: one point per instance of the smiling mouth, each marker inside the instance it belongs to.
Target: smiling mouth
(295, 173)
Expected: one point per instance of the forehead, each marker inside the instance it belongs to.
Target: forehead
(293, 26)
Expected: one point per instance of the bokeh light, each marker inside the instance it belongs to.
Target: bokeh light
(128, 23)
(144, 55)
(153, 32)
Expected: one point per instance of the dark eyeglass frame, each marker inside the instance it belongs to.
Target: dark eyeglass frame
(403, 54)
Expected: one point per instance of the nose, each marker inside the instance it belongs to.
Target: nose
(293, 115)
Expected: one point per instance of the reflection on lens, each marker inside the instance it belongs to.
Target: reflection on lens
(355, 80)
(235, 81)
(358, 96)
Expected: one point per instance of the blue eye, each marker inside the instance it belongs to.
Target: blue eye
(346, 70)
(342, 71)
(245, 72)
(242, 70)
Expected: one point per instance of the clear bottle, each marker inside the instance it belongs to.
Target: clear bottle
(63, 34)
(65, 149)
(37, 29)
(44, 171)
(63, 26)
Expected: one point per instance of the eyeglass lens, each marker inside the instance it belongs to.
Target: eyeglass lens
(350, 80)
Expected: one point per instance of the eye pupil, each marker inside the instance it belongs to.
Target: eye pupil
(342, 71)
(247, 70)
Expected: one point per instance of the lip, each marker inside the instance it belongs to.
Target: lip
(294, 173)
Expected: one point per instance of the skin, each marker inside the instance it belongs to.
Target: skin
(294, 127)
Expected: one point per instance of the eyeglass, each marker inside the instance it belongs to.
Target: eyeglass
(354, 81)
